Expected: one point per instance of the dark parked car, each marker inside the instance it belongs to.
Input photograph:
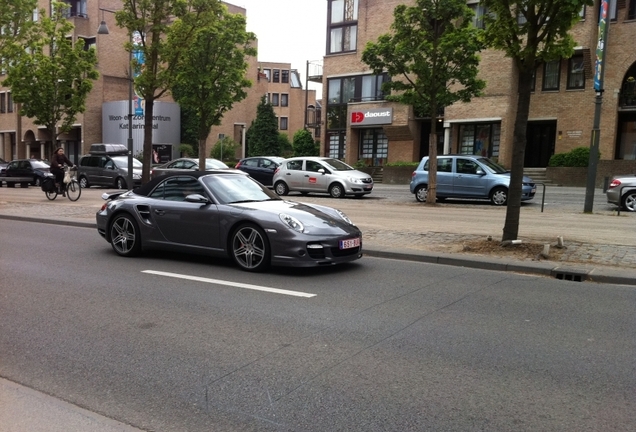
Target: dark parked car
(34, 168)
(622, 192)
(260, 168)
(186, 164)
(467, 176)
(107, 169)
(225, 213)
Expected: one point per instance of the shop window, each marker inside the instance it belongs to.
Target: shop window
(284, 99)
(337, 117)
(480, 139)
(576, 73)
(374, 146)
(283, 123)
(343, 25)
(337, 145)
(551, 72)
(284, 76)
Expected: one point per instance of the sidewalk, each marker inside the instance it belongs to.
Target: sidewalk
(600, 247)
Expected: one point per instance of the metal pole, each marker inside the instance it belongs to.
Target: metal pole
(601, 52)
(130, 180)
(306, 92)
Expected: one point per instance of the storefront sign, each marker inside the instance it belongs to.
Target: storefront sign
(376, 116)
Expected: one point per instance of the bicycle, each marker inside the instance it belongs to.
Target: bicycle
(71, 188)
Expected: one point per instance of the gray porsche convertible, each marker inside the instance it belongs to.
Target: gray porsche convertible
(225, 213)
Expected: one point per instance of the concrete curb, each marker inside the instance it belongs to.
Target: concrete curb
(541, 268)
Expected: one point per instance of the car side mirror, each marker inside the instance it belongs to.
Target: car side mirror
(321, 170)
(480, 171)
(197, 198)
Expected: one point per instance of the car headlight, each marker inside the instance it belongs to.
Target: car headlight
(345, 217)
(292, 222)
(355, 180)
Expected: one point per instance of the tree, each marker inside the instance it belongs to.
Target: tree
(541, 36)
(304, 144)
(149, 21)
(431, 56)
(52, 77)
(210, 73)
(15, 22)
(286, 148)
(263, 133)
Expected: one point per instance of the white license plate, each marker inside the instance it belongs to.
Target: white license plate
(534, 190)
(350, 243)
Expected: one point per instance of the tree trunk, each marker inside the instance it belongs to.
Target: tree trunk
(511, 225)
(202, 153)
(431, 195)
(147, 153)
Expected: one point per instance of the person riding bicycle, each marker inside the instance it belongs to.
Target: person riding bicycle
(57, 168)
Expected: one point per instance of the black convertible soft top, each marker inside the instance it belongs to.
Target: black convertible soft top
(146, 189)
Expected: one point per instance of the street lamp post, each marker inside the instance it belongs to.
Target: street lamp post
(103, 30)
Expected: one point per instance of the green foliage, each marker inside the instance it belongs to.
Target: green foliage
(360, 163)
(225, 149)
(403, 163)
(263, 139)
(286, 149)
(16, 23)
(187, 150)
(52, 78)
(578, 157)
(209, 75)
(304, 144)
(431, 55)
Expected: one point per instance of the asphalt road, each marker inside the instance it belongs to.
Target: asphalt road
(378, 345)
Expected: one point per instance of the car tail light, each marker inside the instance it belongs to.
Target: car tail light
(414, 173)
(238, 165)
(615, 183)
(277, 169)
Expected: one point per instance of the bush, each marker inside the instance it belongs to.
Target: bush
(578, 157)
(187, 150)
(403, 163)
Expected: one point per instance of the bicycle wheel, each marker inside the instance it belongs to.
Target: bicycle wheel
(51, 195)
(73, 190)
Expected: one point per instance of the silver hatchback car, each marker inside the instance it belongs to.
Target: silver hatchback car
(467, 176)
(622, 192)
(321, 174)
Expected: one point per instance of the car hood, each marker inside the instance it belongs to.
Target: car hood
(317, 219)
(354, 174)
(525, 179)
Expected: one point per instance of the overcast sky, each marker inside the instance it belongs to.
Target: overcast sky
(288, 31)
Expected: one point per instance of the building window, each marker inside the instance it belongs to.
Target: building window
(479, 11)
(89, 43)
(9, 102)
(276, 75)
(337, 145)
(284, 99)
(77, 8)
(533, 81)
(3, 103)
(631, 13)
(374, 146)
(283, 123)
(275, 99)
(612, 9)
(551, 72)
(480, 139)
(284, 76)
(343, 25)
(582, 13)
(36, 15)
(576, 73)
(268, 74)
(372, 87)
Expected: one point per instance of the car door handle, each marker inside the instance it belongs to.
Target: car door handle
(159, 212)
(287, 173)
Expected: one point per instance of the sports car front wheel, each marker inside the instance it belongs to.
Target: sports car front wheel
(124, 235)
(250, 248)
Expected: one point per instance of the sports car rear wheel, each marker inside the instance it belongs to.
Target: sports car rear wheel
(124, 235)
(250, 248)
(629, 201)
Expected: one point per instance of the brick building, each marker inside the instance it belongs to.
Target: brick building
(360, 124)
(106, 115)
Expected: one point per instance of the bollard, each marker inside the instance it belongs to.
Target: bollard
(605, 184)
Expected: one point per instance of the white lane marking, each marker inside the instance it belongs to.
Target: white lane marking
(227, 283)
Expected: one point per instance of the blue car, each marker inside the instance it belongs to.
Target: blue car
(466, 176)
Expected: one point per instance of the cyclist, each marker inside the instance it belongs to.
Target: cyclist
(57, 168)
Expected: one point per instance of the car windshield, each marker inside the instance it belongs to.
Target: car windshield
(233, 188)
(39, 164)
(214, 164)
(338, 165)
(122, 161)
(492, 166)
